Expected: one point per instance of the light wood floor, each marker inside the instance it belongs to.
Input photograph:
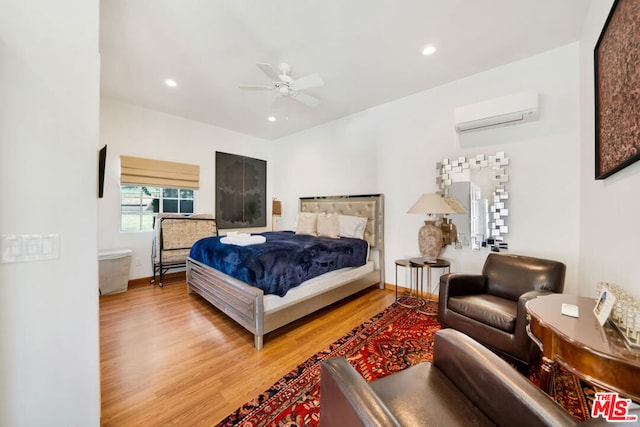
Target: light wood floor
(170, 358)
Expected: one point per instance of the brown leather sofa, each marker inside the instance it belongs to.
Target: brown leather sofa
(466, 385)
(490, 307)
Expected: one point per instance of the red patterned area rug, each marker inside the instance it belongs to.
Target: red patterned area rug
(389, 342)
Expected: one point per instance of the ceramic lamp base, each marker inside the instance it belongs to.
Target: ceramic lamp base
(430, 241)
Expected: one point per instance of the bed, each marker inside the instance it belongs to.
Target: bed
(261, 313)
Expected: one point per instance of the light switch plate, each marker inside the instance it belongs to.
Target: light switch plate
(29, 247)
(50, 246)
(11, 247)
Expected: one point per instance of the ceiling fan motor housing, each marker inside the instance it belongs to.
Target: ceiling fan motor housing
(285, 85)
(283, 90)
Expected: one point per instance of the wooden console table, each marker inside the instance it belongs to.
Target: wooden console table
(594, 353)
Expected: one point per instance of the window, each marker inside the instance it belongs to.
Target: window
(148, 187)
(140, 204)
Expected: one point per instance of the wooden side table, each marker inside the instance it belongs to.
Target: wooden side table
(594, 353)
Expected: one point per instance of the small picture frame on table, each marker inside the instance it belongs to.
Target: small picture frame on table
(603, 307)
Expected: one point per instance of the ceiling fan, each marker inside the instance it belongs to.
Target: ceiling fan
(285, 85)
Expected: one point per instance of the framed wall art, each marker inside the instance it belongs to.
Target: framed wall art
(617, 89)
(241, 191)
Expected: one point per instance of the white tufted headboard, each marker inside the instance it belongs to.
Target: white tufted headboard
(369, 206)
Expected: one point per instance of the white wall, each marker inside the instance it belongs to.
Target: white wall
(393, 149)
(134, 131)
(49, 79)
(609, 232)
(558, 209)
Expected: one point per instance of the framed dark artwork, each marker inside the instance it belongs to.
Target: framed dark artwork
(241, 191)
(617, 89)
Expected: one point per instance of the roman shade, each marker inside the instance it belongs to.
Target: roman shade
(139, 171)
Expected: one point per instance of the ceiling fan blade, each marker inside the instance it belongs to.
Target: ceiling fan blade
(307, 100)
(268, 70)
(308, 82)
(254, 87)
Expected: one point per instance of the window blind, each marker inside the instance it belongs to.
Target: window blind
(139, 171)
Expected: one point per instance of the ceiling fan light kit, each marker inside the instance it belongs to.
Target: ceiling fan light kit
(285, 85)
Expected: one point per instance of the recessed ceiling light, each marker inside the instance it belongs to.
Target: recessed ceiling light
(428, 50)
(272, 118)
(171, 83)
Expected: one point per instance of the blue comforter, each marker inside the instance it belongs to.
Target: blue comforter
(284, 261)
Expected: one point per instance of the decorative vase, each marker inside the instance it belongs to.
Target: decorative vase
(430, 241)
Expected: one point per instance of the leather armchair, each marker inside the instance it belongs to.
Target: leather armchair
(466, 384)
(490, 307)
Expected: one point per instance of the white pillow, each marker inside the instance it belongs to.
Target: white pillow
(328, 225)
(352, 226)
(307, 223)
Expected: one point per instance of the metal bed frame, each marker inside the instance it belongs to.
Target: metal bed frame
(244, 303)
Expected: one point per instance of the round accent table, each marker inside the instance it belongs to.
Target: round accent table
(422, 263)
(414, 299)
(439, 263)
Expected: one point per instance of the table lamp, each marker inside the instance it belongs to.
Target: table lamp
(276, 211)
(430, 235)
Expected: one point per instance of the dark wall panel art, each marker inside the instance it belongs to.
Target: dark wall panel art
(241, 191)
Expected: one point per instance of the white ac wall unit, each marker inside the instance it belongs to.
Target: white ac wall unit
(498, 112)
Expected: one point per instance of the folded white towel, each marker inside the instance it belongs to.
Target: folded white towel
(242, 239)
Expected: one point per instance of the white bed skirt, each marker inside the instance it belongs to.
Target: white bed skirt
(315, 286)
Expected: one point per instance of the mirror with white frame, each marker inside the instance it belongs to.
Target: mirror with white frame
(478, 183)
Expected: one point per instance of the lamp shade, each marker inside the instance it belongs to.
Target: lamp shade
(431, 204)
(455, 205)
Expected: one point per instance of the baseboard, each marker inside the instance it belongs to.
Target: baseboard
(166, 278)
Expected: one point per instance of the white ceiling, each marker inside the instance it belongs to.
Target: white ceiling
(368, 52)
